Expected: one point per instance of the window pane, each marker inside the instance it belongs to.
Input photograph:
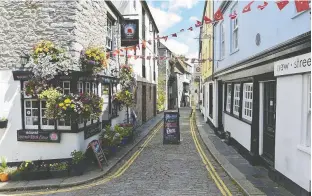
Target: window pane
(28, 104)
(34, 104)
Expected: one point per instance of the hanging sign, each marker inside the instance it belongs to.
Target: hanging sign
(98, 152)
(130, 33)
(171, 127)
(92, 130)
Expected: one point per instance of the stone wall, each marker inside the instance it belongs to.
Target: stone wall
(73, 25)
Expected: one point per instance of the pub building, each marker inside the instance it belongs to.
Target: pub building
(31, 133)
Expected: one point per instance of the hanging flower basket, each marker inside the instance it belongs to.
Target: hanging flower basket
(93, 59)
(125, 97)
(47, 48)
(34, 87)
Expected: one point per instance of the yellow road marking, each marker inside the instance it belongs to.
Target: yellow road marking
(118, 173)
(224, 190)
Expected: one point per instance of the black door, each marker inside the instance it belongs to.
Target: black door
(211, 100)
(269, 109)
(220, 104)
(143, 103)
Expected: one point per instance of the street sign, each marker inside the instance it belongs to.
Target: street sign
(98, 152)
(171, 127)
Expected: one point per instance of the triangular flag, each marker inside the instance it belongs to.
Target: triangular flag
(261, 7)
(186, 59)
(144, 44)
(138, 46)
(207, 20)
(121, 55)
(121, 50)
(198, 24)
(129, 56)
(281, 4)
(181, 30)
(234, 15)
(218, 15)
(162, 57)
(247, 7)
(302, 5)
(165, 38)
(107, 55)
(191, 29)
(174, 35)
(148, 57)
(135, 56)
(192, 60)
(150, 42)
(142, 57)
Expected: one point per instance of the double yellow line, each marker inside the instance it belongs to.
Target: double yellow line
(118, 173)
(216, 178)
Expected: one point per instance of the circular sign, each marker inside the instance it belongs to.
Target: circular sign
(197, 69)
(53, 136)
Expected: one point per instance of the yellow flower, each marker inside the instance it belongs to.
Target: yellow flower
(64, 108)
(61, 104)
(72, 105)
(67, 104)
(67, 100)
(88, 52)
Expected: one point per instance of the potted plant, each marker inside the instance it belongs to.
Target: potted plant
(31, 171)
(93, 59)
(125, 131)
(110, 140)
(59, 170)
(15, 174)
(3, 175)
(3, 122)
(78, 165)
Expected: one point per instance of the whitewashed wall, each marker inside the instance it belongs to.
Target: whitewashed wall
(239, 130)
(291, 158)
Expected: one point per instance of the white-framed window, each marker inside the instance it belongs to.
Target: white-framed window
(94, 88)
(234, 30)
(150, 26)
(236, 99)
(109, 35)
(222, 37)
(31, 116)
(134, 4)
(45, 123)
(228, 97)
(88, 87)
(64, 124)
(80, 87)
(66, 87)
(247, 101)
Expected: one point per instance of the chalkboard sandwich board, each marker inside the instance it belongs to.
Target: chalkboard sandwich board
(98, 152)
(171, 127)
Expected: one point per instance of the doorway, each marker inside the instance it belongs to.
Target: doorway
(220, 106)
(155, 100)
(210, 101)
(143, 103)
(269, 118)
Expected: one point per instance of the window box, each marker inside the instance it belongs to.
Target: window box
(59, 173)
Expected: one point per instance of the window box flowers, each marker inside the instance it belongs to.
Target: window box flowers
(93, 59)
(31, 171)
(46, 48)
(34, 87)
(79, 163)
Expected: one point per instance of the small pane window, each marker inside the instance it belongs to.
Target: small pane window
(80, 87)
(88, 87)
(31, 114)
(247, 101)
(236, 99)
(66, 87)
(94, 88)
(228, 98)
(45, 123)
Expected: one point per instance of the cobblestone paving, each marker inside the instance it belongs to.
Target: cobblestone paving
(164, 170)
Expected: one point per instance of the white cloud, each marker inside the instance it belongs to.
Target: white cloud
(164, 5)
(176, 47)
(177, 4)
(193, 18)
(164, 19)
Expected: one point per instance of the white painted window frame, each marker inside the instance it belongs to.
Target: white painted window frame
(247, 101)
(109, 34)
(66, 88)
(31, 107)
(41, 117)
(80, 87)
(228, 97)
(94, 88)
(88, 87)
(236, 99)
(235, 29)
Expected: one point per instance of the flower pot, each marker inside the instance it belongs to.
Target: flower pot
(3, 123)
(15, 176)
(125, 140)
(4, 177)
(78, 169)
(35, 175)
(59, 173)
(112, 149)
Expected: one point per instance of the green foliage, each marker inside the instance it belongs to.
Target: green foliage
(26, 166)
(77, 156)
(161, 95)
(3, 163)
(110, 137)
(59, 166)
(51, 95)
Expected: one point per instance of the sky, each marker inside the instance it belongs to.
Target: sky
(174, 15)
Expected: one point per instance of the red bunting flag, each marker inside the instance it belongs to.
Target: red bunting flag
(138, 46)
(148, 57)
(234, 15)
(165, 37)
(121, 55)
(191, 29)
(198, 23)
(129, 56)
(281, 4)
(218, 15)
(144, 44)
(302, 5)
(121, 49)
(142, 57)
(186, 59)
(162, 57)
(135, 56)
(207, 20)
(107, 55)
(114, 54)
(181, 30)
(150, 42)
(192, 60)
(261, 7)
(174, 35)
(247, 7)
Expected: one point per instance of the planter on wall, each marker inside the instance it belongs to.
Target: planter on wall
(59, 173)
(35, 175)
(3, 123)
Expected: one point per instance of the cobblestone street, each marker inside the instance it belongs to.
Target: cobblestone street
(164, 170)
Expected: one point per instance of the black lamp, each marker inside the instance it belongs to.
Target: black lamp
(24, 58)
